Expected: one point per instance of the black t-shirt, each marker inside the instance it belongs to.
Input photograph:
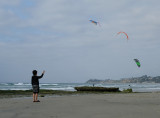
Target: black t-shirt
(35, 79)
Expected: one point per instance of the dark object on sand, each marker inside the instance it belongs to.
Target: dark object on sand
(99, 89)
(127, 90)
(41, 95)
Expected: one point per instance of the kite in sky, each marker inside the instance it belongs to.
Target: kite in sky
(137, 62)
(95, 22)
(123, 33)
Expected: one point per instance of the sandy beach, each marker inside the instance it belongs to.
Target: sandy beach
(134, 105)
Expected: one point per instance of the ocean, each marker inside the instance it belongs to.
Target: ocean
(144, 87)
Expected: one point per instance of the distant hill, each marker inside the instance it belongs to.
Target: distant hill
(142, 79)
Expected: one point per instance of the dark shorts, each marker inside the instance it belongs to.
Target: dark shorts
(35, 88)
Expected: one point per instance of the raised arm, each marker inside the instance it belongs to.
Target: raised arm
(39, 77)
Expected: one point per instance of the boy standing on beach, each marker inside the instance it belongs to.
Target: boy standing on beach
(35, 85)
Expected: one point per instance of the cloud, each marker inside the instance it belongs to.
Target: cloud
(58, 36)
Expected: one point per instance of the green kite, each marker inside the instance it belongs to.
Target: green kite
(137, 62)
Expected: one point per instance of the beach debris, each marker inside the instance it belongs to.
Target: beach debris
(100, 89)
(123, 33)
(137, 62)
(127, 90)
(42, 96)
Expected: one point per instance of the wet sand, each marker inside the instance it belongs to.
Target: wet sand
(134, 105)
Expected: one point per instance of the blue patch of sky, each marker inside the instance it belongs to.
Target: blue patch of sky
(8, 39)
(28, 3)
(21, 10)
(20, 13)
(18, 34)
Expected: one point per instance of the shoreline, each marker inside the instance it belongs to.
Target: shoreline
(44, 93)
(53, 93)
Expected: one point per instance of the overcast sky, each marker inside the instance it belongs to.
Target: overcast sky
(56, 36)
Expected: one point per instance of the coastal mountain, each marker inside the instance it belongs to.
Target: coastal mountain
(142, 79)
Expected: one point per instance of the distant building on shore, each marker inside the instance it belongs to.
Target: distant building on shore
(142, 79)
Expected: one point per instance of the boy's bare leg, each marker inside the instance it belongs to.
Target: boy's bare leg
(33, 97)
(36, 96)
